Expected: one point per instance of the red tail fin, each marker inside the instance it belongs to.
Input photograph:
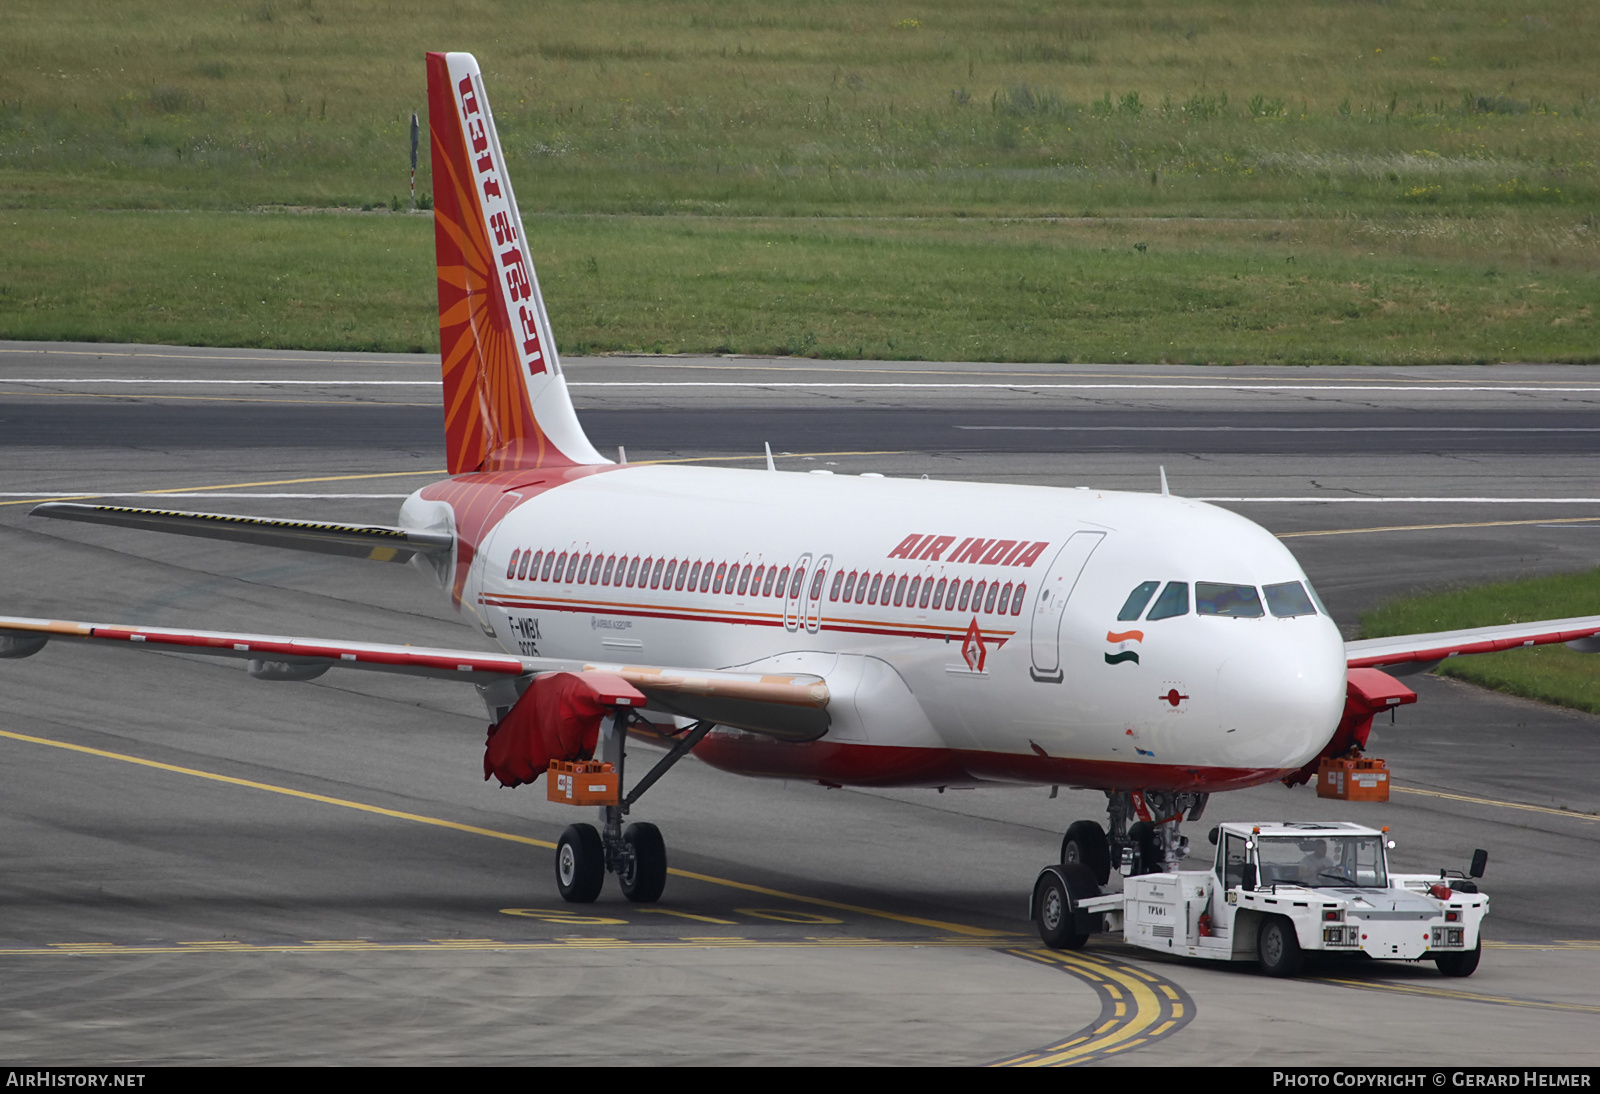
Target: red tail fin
(505, 400)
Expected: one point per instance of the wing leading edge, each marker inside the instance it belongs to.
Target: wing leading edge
(1407, 654)
(788, 707)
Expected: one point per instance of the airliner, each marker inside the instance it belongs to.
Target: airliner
(852, 630)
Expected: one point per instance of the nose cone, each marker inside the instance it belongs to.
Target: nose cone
(1284, 689)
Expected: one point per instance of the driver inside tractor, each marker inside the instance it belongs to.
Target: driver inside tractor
(1316, 862)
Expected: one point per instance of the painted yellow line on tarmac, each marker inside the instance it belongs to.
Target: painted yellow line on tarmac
(209, 399)
(1464, 996)
(357, 945)
(728, 883)
(1132, 1013)
(437, 474)
(1495, 802)
(1435, 527)
(285, 359)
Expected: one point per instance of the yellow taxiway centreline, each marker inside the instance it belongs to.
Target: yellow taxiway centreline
(437, 474)
(360, 945)
(1132, 1013)
(1495, 802)
(418, 818)
(1464, 996)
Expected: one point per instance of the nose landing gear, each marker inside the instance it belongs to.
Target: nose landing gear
(1150, 844)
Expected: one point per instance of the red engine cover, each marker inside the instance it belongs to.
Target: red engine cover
(557, 718)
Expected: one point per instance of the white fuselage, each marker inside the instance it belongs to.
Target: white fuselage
(1038, 669)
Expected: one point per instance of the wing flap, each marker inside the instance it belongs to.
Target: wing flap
(1406, 654)
(370, 541)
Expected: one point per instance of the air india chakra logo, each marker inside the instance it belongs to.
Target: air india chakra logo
(973, 650)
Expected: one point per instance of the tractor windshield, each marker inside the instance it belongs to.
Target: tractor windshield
(1323, 862)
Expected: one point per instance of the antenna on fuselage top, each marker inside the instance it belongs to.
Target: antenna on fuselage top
(768, 446)
(1164, 492)
(622, 457)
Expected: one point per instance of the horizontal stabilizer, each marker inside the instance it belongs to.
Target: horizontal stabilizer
(370, 541)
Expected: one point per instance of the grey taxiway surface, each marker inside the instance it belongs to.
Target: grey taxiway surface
(202, 867)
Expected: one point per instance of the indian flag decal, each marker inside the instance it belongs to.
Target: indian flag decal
(1122, 639)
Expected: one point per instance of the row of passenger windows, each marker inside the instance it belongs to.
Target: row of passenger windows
(1212, 598)
(858, 587)
(952, 595)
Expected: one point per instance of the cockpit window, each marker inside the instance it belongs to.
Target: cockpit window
(1137, 600)
(1288, 599)
(1174, 600)
(1235, 601)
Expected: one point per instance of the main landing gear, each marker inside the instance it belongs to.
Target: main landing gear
(636, 854)
(1148, 845)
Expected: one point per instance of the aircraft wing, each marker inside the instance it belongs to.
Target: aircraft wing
(790, 707)
(1407, 654)
(369, 541)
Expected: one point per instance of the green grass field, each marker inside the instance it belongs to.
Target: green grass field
(1331, 181)
(1553, 674)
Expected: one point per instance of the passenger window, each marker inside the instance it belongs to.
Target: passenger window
(1233, 601)
(1134, 605)
(1288, 599)
(1174, 600)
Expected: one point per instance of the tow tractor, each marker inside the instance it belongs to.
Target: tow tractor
(1276, 893)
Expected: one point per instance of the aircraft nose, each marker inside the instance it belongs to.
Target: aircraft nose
(1289, 693)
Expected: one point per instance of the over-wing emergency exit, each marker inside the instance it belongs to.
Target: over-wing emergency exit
(906, 633)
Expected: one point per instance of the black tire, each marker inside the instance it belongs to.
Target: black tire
(1055, 895)
(1143, 835)
(1460, 964)
(580, 864)
(1085, 842)
(643, 881)
(1278, 948)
